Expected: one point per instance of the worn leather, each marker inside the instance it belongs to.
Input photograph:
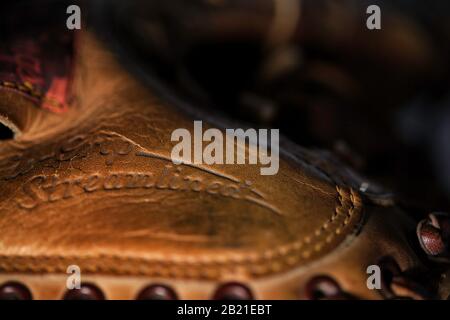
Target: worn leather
(96, 187)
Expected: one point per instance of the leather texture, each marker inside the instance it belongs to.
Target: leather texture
(95, 187)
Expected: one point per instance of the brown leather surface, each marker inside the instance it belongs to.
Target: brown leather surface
(96, 187)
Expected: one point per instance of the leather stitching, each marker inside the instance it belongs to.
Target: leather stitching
(348, 209)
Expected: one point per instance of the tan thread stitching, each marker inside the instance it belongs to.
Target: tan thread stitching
(258, 264)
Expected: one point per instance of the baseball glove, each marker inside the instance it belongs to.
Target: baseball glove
(88, 184)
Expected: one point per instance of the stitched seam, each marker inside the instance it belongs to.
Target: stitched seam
(258, 264)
